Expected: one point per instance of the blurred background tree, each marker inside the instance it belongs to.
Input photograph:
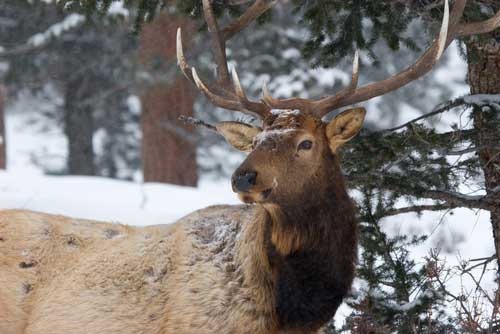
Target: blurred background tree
(85, 68)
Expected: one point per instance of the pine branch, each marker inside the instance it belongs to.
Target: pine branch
(469, 100)
(419, 209)
(451, 198)
(21, 50)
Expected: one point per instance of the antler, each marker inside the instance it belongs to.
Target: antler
(423, 65)
(233, 97)
(351, 94)
(451, 28)
(226, 92)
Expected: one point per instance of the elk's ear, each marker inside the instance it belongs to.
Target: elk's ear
(239, 135)
(344, 127)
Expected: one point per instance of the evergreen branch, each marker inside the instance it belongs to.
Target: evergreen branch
(469, 150)
(458, 199)
(452, 199)
(440, 109)
(21, 50)
(469, 100)
(419, 209)
(41, 40)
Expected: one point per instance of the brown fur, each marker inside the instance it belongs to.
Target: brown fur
(283, 264)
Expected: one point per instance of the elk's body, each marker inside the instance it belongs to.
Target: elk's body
(281, 264)
(224, 269)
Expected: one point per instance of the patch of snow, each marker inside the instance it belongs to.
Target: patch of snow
(480, 99)
(118, 8)
(134, 104)
(109, 200)
(291, 53)
(265, 135)
(410, 305)
(285, 112)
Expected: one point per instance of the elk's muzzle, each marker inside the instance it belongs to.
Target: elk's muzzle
(243, 181)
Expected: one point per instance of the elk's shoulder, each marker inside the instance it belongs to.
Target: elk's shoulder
(217, 223)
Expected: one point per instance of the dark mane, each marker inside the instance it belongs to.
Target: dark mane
(317, 272)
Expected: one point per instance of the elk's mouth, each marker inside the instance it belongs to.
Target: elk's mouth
(255, 197)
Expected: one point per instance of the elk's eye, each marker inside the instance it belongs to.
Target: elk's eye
(305, 145)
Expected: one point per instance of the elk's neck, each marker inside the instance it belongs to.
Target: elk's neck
(313, 254)
(324, 217)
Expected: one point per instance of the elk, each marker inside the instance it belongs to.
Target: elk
(281, 262)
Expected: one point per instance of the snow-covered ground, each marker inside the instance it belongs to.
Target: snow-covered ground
(108, 200)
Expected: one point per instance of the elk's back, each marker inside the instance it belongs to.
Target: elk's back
(61, 275)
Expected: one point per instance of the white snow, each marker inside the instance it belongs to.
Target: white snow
(284, 112)
(108, 200)
(264, 135)
(481, 99)
(117, 8)
(134, 104)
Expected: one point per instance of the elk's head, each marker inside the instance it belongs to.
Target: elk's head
(294, 149)
(292, 154)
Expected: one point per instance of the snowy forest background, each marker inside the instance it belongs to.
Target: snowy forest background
(90, 95)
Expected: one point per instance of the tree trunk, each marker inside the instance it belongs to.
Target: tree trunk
(3, 140)
(79, 129)
(168, 150)
(484, 78)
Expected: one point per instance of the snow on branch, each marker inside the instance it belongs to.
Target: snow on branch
(407, 307)
(71, 21)
(40, 40)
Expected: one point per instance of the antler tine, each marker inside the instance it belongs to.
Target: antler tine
(181, 59)
(415, 71)
(192, 76)
(322, 107)
(215, 98)
(218, 44)
(259, 109)
(295, 103)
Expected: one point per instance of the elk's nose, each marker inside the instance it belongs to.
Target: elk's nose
(244, 181)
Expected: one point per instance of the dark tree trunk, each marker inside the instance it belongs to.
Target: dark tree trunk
(484, 78)
(79, 129)
(3, 137)
(168, 150)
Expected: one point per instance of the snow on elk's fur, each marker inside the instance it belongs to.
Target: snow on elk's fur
(281, 262)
